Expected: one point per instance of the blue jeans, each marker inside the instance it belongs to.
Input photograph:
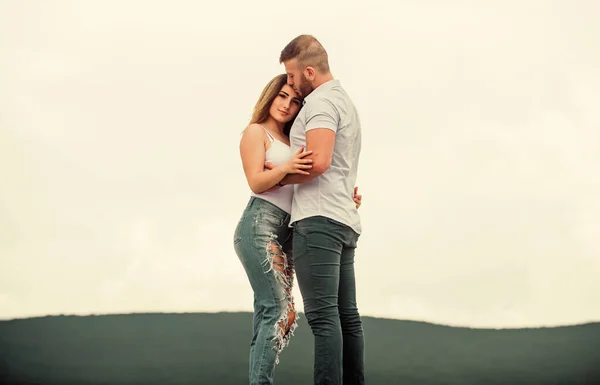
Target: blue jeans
(262, 242)
(324, 262)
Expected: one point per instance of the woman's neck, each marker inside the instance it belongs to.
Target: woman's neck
(274, 125)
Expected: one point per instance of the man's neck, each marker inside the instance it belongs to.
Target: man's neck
(322, 79)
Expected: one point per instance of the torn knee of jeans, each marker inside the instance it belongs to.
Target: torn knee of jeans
(283, 271)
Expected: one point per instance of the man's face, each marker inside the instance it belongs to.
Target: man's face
(296, 78)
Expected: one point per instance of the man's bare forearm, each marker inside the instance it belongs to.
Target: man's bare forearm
(299, 178)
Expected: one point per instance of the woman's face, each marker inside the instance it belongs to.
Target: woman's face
(286, 105)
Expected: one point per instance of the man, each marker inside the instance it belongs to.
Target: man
(324, 216)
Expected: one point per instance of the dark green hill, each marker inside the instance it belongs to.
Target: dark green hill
(213, 349)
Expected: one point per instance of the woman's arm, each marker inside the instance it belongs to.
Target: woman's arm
(252, 151)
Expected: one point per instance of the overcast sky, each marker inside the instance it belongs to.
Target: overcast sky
(121, 181)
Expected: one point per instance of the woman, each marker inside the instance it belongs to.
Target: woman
(262, 238)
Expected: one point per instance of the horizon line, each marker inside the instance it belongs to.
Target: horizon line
(455, 326)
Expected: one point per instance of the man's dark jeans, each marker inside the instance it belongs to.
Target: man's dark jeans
(323, 252)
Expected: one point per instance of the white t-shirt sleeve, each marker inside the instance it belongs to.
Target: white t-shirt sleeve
(321, 113)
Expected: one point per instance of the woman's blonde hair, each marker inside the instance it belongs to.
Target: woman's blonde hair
(268, 94)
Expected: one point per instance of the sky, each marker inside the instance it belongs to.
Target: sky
(121, 181)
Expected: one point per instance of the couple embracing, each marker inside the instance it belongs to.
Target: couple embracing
(300, 156)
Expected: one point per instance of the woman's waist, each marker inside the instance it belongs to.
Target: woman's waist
(273, 204)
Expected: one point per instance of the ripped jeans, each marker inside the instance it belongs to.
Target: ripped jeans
(263, 242)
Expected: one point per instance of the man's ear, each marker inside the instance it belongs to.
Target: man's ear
(310, 73)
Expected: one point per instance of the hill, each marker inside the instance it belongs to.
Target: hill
(213, 349)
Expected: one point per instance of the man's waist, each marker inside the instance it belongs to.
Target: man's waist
(349, 218)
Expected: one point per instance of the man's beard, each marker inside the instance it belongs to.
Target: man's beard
(304, 87)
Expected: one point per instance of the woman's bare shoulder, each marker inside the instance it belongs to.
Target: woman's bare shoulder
(254, 128)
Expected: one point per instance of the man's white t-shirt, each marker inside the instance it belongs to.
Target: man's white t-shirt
(330, 194)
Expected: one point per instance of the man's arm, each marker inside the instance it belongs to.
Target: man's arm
(322, 120)
(321, 141)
